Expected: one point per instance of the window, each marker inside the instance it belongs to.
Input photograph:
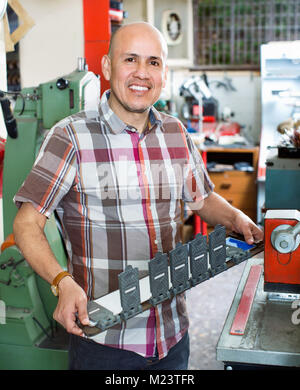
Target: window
(230, 32)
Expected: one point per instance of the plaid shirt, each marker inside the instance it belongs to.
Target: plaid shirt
(118, 196)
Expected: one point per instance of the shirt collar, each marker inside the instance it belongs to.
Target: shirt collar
(115, 124)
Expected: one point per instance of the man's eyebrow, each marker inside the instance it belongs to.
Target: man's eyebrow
(130, 55)
(155, 58)
(138, 55)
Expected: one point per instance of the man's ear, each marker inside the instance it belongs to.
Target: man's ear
(106, 67)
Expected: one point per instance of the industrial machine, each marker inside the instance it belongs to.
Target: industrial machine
(200, 110)
(280, 99)
(282, 174)
(199, 105)
(29, 337)
(282, 190)
(282, 252)
(260, 330)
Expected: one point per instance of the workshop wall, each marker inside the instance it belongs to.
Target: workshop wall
(52, 46)
(244, 102)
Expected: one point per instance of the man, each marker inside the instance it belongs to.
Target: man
(116, 178)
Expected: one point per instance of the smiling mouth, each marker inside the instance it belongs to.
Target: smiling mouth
(139, 88)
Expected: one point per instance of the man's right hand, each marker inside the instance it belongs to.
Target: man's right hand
(72, 299)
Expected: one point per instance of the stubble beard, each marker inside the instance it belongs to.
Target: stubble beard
(127, 107)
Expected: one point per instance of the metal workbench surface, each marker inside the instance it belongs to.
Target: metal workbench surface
(271, 337)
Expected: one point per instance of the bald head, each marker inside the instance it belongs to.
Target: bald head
(142, 29)
(137, 71)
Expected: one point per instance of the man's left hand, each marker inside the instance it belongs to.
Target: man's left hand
(244, 225)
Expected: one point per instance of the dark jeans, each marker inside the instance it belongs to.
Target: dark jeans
(86, 354)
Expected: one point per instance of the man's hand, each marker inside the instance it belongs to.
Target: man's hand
(216, 210)
(244, 225)
(72, 299)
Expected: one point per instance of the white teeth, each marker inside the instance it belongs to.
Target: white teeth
(138, 88)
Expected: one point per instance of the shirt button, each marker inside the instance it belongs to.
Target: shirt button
(155, 241)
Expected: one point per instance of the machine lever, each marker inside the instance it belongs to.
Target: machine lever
(285, 238)
(296, 229)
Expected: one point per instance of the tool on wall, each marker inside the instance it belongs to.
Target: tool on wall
(200, 105)
(201, 110)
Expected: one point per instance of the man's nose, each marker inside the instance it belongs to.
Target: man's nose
(141, 70)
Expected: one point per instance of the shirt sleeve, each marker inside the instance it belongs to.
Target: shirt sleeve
(52, 175)
(197, 183)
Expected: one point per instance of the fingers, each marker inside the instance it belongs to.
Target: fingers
(67, 319)
(70, 303)
(253, 234)
(245, 226)
(248, 236)
(258, 235)
(82, 313)
(72, 327)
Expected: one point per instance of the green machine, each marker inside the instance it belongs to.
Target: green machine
(29, 336)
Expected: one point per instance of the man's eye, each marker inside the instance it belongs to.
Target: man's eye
(129, 59)
(154, 63)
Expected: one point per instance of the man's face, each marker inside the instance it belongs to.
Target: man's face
(136, 70)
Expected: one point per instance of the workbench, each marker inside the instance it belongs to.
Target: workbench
(271, 336)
